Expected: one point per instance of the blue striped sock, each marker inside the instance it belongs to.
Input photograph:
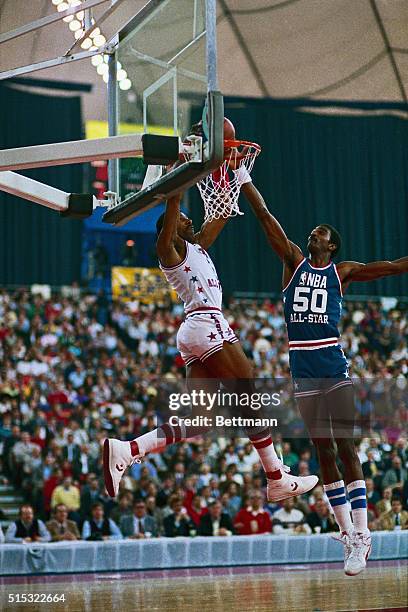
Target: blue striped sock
(358, 499)
(336, 494)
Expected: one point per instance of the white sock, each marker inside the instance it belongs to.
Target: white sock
(358, 498)
(267, 455)
(158, 439)
(336, 493)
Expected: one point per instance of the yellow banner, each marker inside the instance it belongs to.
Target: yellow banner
(144, 284)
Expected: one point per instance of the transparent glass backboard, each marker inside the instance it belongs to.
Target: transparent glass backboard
(164, 56)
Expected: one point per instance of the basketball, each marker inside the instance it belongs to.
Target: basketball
(229, 129)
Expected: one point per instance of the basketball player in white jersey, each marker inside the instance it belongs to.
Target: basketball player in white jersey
(208, 346)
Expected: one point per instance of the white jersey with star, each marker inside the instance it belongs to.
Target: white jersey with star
(195, 280)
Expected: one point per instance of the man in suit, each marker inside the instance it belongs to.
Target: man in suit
(216, 522)
(177, 523)
(139, 525)
(100, 527)
(60, 527)
(396, 518)
(321, 521)
(71, 451)
(90, 494)
(27, 528)
(396, 475)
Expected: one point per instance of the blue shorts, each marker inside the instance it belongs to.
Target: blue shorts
(318, 371)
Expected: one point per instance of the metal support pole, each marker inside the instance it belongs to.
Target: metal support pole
(211, 27)
(113, 164)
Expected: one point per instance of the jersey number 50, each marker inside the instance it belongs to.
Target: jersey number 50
(317, 300)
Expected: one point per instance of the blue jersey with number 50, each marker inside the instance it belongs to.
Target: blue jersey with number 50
(312, 305)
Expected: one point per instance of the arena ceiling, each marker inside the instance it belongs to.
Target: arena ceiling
(322, 49)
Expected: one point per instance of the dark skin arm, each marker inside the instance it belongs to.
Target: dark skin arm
(350, 271)
(169, 247)
(289, 253)
(209, 232)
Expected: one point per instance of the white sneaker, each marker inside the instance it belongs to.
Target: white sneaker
(360, 551)
(117, 457)
(345, 539)
(289, 485)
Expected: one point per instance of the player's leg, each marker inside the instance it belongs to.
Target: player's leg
(231, 364)
(118, 455)
(316, 415)
(343, 413)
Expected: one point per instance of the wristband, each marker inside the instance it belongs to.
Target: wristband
(243, 175)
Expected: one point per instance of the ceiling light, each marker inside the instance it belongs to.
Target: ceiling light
(105, 77)
(95, 32)
(121, 75)
(86, 43)
(74, 25)
(78, 34)
(80, 15)
(63, 6)
(68, 18)
(102, 69)
(97, 60)
(125, 84)
(99, 40)
(56, 2)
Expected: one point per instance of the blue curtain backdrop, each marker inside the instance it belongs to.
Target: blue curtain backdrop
(37, 245)
(350, 171)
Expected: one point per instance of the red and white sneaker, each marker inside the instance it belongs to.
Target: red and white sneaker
(289, 485)
(117, 456)
(345, 538)
(360, 544)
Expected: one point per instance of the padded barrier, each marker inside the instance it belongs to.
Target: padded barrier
(167, 553)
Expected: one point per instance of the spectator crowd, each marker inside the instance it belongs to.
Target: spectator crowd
(77, 368)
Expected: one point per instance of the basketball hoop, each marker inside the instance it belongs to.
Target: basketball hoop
(220, 190)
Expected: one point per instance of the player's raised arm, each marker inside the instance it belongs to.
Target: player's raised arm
(209, 232)
(350, 271)
(288, 252)
(166, 241)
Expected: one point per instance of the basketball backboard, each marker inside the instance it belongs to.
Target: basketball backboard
(159, 61)
(169, 54)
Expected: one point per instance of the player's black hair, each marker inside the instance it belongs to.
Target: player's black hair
(335, 238)
(159, 224)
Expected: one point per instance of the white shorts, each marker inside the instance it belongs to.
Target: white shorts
(202, 334)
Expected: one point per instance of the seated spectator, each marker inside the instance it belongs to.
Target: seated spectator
(289, 520)
(123, 508)
(321, 520)
(71, 451)
(372, 468)
(196, 509)
(234, 501)
(373, 495)
(99, 527)
(138, 525)
(60, 527)
(396, 518)
(253, 519)
(396, 475)
(177, 523)
(384, 505)
(215, 522)
(67, 494)
(90, 494)
(27, 528)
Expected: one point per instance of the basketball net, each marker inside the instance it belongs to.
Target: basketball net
(220, 190)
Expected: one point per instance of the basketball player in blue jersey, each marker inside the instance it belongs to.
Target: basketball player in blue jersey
(313, 287)
(209, 348)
